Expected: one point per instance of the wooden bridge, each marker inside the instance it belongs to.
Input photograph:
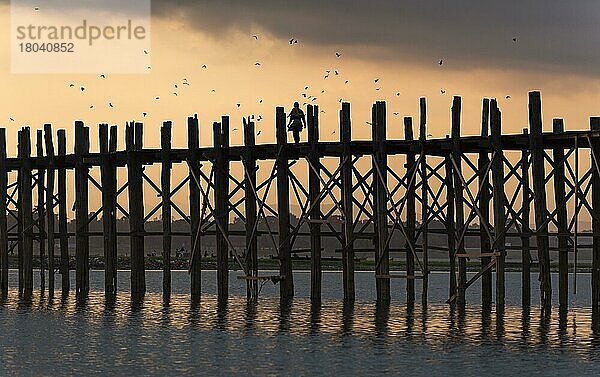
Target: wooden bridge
(480, 187)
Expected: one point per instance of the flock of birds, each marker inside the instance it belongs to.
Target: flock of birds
(308, 97)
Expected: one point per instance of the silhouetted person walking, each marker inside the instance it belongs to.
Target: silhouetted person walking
(297, 121)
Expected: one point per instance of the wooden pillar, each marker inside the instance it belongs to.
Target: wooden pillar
(347, 192)
(459, 198)
(134, 144)
(194, 165)
(165, 179)
(561, 214)
(484, 208)
(221, 141)
(595, 147)
(424, 198)
(411, 213)
(450, 226)
(62, 213)
(3, 218)
(41, 191)
(499, 245)
(50, 205)
(250, 207)
(526, 231)
(20, 229)
(109, 210)
(539, 189)
(314, 188)
(82, 147)
(283, 207)
(26, 209)
(380, 201)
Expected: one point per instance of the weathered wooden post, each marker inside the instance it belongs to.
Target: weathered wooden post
(134, 143)
(484, 208)
(221, 141)
(82, 147)
(25, 210)
(20, 235)
(595, 149)
(459, 197)
(40, 191)
(3, 219)
(526, 231)
(165, 179)
(348, 234)
(314, 188)
(411, 213)
(109, 211)
(382, 254)
(499, 202)
(450, 225)
(194, 166)
(561, 214)
(62, 213)
(424, 198)
(250, 207)
(286, 287)
(50, 205)
(539, 189)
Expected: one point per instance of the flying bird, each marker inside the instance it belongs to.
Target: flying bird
(91, 106)
(443, 91)
(258, 133)
(507, 97)
(82, 89)
(336, 73)
(145, 52)
(110, 104)
(175, 93)
(157, 98)
(255, 37)
(441, 61)
(204, 66)
(337, 55)
(11, 119)
(72, 86)
(396, 114)
(36, 9)
(102, 76)
(144, 114)
(347, 81)
(261, 101)
(238, 104)
(257, 63)
(398, 94)
(514, 39)
(376, 80)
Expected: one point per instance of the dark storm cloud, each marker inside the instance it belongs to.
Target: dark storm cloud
(473, 33)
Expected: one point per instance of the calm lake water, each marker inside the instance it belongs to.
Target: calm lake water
(154, 337)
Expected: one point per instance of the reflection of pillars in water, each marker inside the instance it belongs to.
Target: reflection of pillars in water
(250, 314)
(347, 317)
(461, 319)
(222, 313)
(424, 318)
(545, 317)
(526, 323)
(285, 309)
(137, 302)
(110, 301)
(500, 330)
(410, 319)
(315, 316)
(595, 324)
(562, 325)
(382, 316)
(486, 321)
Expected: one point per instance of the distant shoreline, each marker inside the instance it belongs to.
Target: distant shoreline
(303, 264)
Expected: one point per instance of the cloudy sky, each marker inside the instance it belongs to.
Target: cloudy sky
(398, 42)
